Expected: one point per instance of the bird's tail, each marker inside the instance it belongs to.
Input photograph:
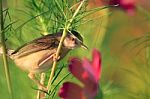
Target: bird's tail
(9, 52)
(1, 51)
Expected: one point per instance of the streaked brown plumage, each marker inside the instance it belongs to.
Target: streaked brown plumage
(37, 55)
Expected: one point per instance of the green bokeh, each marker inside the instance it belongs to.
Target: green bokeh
(125, 75)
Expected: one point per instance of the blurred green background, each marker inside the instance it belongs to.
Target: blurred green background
(126, 66)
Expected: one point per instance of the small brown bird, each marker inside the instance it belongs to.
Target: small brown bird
(37, 55)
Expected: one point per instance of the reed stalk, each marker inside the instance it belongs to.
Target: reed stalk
(41, 95)
(3, 45)
(66, 28)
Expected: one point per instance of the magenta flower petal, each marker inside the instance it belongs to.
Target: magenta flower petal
(127, 5)
(93, 70)
(96, 63)
(71, 91)
(82, 71)
(76, 68)
(88, 72)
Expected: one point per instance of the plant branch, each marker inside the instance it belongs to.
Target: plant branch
(68, 24)
(40, 94)
(3, 45)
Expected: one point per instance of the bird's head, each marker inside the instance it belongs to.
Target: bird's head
(74, 40)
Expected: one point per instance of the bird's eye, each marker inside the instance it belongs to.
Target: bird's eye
(73, 39)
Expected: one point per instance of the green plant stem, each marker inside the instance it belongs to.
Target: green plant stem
(7, 73)
(40, 95)
(57, 55)
(44, 32)
(68, 23)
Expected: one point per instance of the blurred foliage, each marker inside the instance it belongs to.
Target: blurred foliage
(120, 37)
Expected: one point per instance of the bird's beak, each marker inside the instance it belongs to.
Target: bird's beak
(84, 46)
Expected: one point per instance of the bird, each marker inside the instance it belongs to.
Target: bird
(38, 55)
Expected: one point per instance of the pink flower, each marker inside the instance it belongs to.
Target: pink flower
(88, 72)
(71, 91)
(127, 5)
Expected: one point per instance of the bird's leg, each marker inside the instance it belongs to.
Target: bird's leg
(45, 60)
(53, 56)
(32, 77)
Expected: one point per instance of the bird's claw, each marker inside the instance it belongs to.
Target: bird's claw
(55, 58)
(32, 76)
(44, 88)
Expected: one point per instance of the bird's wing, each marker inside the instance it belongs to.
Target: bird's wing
(44, 60)
(44, 43)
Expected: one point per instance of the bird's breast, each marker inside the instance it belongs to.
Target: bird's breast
(31, 62)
